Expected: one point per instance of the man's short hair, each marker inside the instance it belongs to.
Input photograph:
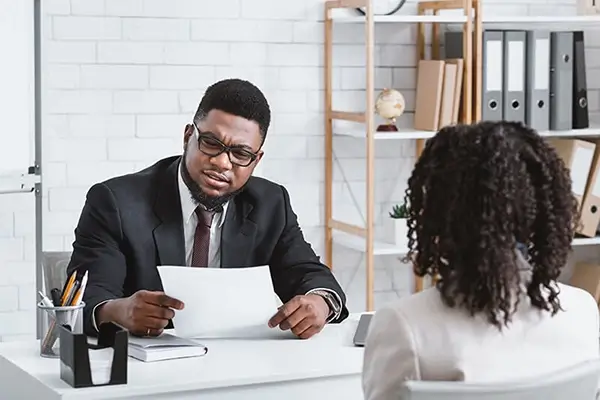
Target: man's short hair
(237, 97)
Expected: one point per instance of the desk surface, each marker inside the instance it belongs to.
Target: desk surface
(228, 363)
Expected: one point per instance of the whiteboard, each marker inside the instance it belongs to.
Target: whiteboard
(17, 102)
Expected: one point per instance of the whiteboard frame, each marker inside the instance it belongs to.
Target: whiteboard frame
(30, 181)
(36, 169)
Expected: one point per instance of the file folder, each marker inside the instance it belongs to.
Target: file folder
(590, 208)
(561, 81)
(586, 276)
(578, 156)
(458, 87)
(448, 94)
(453, 44)
(513, 84)
(581, 119)
(492, 96)
(428, 99)
(537, 93)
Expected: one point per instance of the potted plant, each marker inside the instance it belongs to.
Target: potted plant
(397, 232)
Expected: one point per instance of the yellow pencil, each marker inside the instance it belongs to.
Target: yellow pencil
(68, 289)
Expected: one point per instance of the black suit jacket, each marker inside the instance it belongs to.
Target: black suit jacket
(132, 224)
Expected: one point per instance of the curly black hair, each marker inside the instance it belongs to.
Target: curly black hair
(237, 97)
(478, 192)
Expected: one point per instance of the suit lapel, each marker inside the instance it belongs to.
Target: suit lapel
(168, 234)
(238, 234)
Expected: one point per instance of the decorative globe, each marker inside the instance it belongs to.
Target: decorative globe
(390, 104)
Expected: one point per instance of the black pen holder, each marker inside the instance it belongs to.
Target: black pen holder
(75, 358)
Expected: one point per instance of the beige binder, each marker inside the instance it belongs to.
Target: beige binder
(448, 89)
(590, 208)
(586, 276)
(577, 156)
(430, 79)
(458, 87)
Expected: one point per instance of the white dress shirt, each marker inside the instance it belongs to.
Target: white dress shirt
(190, 220)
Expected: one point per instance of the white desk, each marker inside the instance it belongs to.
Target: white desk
(327, 365)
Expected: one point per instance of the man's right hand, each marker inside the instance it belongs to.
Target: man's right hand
(144, 313)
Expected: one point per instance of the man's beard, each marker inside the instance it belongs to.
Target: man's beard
(211, 203)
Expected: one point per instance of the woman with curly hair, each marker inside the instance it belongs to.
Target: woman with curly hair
(491, 217)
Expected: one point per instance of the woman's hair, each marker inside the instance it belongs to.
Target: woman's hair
(476, 193)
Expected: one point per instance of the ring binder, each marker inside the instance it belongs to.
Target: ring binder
(75, 361)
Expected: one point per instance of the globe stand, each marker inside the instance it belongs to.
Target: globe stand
(387, 128)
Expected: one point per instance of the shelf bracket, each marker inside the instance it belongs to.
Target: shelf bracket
(20, 183)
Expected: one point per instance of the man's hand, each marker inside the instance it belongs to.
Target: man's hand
(144, 313)
(304, 315)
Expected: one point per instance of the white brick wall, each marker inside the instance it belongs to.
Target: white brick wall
(121, 77)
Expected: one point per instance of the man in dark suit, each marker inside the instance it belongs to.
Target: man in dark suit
(202, 209)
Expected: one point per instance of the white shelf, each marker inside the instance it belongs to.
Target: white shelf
(401, 134)
(406, 19)
(586, 241)
(580, 21)
(357, 243)
(405, 134)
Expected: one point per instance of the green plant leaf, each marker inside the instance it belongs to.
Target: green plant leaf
(399, 211)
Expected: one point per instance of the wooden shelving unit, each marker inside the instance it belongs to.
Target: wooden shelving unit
(430, 14)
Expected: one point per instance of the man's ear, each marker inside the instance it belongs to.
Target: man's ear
(259, 156)
(188, 131)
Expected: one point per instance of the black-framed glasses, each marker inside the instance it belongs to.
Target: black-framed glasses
(213, 147)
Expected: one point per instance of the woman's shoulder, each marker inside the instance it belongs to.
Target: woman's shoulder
(417, 305)
(571, 297)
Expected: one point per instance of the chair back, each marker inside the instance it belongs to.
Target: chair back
(54, 264)
(578, 382)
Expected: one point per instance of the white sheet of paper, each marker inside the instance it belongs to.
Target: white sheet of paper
(222, 302)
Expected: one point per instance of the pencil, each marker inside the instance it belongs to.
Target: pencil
(68, 288)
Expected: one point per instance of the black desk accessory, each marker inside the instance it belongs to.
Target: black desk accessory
(360, 335)
(75, 360)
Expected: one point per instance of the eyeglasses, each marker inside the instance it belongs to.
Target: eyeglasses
(213, 147)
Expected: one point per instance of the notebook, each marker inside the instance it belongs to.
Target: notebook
(164, 347)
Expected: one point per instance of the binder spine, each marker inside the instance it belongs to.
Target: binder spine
(561, 81)
(537, 93)
(580, 101)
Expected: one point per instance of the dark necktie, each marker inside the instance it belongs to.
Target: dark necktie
(202, 238)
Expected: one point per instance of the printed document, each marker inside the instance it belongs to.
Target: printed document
(222, 302)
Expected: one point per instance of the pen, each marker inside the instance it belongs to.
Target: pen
(78, 297)
(45, 300)
(55, 294)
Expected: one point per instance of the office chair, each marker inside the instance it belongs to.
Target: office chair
(54, 265)
(579, 382)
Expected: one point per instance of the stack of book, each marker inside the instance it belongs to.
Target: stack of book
(439, 93)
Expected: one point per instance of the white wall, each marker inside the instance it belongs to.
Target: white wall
(122, 77)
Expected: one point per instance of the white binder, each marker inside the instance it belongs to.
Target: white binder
(492, 96)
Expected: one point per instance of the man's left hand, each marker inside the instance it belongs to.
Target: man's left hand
(305, 315)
